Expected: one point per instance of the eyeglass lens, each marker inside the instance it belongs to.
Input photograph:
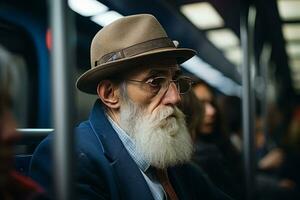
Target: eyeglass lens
(183, 84)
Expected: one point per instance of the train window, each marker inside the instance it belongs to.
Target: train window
(19, 72)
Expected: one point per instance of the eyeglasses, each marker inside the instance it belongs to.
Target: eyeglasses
(183, 83)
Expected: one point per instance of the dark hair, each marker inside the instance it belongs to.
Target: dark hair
(197, 81)
(193, 111)
(231, 111)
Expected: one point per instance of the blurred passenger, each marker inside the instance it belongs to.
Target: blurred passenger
(135, 138)
(278, 167)
(193, 110)
(231, 114)
(214, 151)
(292, 139)
(13, 185)
(210, 121)
(291, 165)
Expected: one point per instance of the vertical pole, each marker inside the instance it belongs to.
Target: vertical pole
(62, 98)
(247, 100)
(265, 58)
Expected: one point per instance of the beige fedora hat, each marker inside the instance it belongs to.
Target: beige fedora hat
(126, 44)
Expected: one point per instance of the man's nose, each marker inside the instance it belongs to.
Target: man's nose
(171, 96)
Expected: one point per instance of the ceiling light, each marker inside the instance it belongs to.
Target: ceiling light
(295, 72)
(234, 55)
(291, 31)
(87, 7)
(289, 9)
(223, 38)
(106, 18)
(212, 76)
(295, 65)
(202, 15)
(296, 84)
(293, 49)
(296, 79)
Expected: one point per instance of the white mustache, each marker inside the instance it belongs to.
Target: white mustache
(164, 113)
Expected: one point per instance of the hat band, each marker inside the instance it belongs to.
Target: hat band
(136, 49)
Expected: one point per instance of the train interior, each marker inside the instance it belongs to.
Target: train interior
(212, 28)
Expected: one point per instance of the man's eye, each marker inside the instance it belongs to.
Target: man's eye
(156, 82)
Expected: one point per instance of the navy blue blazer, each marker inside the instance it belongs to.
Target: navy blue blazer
(105, 170)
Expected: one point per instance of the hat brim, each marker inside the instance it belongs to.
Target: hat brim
(89, 80)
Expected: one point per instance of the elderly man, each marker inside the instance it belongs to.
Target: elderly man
(135, 142)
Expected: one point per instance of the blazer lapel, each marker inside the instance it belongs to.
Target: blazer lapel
(181, 192)
(131, 182)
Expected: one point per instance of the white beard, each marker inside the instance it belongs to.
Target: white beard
(161, 138)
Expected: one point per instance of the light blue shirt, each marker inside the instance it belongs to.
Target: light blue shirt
(154, 185)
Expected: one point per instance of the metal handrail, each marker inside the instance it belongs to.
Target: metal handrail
(35, 131)
(33, 135)
(247, 22)
(63, 86)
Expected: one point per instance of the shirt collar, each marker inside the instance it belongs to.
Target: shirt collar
(129, 145)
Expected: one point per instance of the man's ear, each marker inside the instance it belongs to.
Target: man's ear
(109, 94)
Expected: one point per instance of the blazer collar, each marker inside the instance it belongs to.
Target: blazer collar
(130, 178)
(112, 144)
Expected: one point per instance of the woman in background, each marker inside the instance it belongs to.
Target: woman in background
(213, 150)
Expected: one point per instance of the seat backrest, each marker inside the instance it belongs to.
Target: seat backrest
(22, 163)
(25, 147)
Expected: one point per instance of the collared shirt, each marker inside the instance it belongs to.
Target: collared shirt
(155, 187)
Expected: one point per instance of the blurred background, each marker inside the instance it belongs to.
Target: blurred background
(213, 28)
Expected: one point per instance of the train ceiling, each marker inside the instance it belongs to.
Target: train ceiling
(211, 27)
